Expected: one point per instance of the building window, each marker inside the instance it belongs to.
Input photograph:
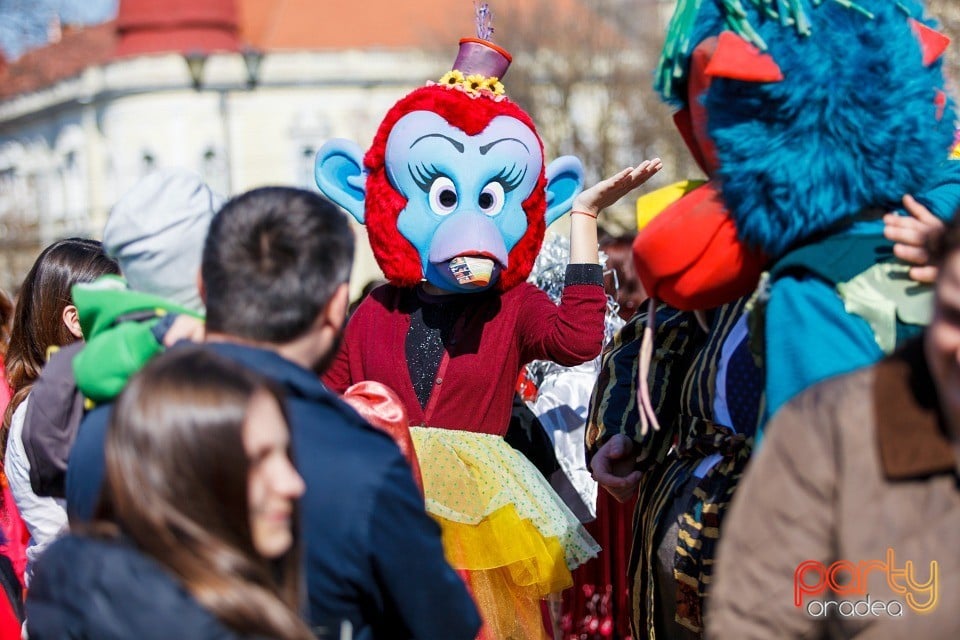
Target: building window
(213, 168)
(8, 179)
(148, 163)
(307, 159)
(75, 205)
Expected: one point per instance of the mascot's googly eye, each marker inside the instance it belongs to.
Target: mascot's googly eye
(443, 196)
(492, 198)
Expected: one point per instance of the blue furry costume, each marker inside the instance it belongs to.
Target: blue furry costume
(811, 118)
(808, 163)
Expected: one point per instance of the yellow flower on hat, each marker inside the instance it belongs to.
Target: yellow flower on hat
(494, 86)
(452, 78)
(474, 83)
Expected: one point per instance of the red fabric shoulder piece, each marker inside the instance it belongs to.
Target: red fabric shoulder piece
(737, 59)
(379, 405)
(689, 255)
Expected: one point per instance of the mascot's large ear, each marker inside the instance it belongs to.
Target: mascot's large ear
(339, 174)
(564, 183)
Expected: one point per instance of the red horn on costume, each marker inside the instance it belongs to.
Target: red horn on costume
(932, 42)
(737, 59)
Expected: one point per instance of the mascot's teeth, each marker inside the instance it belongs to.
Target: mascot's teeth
(475, 271)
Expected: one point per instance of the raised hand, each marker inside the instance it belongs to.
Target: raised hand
(606, 192)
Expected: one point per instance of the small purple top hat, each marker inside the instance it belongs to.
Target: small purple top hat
(482, 57)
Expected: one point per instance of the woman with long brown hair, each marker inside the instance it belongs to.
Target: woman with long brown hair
(201, 494)
(44, 318)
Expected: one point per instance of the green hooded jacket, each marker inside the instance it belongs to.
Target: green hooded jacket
(117, 326)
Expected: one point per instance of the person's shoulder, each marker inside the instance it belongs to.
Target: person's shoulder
(348, 464)
(836, 409)
(85, 557)
(93, 425)
(523, 290)
(83, 567)
(15, 450)
(20, 412)
(386, 297)
(109, 589)
(325, 416)
(385, 292)
(837, 391)
(66, 546)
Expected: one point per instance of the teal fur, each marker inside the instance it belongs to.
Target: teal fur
(690, 18)
(852, 126)
(693, 20)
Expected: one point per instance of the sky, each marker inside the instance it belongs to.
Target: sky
(24, 23)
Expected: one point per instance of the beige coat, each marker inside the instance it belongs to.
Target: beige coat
(850, 469)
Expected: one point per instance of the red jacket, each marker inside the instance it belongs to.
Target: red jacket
(13, 544)
(490, 344)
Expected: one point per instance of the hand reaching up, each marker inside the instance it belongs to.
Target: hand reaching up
(606, 192)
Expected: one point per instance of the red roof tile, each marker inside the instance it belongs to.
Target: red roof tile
(269, 25)
(77, 50)
(334, 24)
(149, 26)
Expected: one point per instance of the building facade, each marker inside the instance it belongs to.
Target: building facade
(191, 85)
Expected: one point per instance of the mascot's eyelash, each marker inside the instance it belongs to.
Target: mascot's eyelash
(510, 178)
(424, 177)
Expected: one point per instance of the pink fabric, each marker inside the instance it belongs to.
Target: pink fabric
(381, 407)
(475, 382)
(5, 391)
(9, 625)
(13, 532)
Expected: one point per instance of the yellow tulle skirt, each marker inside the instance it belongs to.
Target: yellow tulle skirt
(503, 527)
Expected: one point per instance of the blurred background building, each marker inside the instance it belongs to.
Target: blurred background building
(245, 92)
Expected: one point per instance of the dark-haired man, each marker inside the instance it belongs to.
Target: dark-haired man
(274, 279)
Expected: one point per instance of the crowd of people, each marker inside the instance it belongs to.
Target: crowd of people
(203, 437)
(225, 491)
(215, 487)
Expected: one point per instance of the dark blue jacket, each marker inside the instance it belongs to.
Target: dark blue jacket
(105, 590)
(373, 555)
